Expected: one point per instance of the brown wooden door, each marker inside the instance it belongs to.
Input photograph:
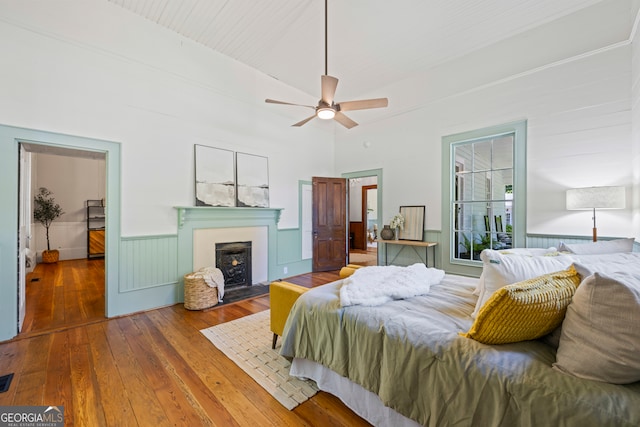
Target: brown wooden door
(329, 221)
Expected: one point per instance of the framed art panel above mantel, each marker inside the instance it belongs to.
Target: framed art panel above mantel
(215, 176)
(252, 180)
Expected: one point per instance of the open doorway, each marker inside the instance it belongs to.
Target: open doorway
(370, 212)
(71, 291)
(363, 220)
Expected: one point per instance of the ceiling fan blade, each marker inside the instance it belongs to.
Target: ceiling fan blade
(273, 101)
(300, 123)
(344, 120)
(363, 104)
(329, 85)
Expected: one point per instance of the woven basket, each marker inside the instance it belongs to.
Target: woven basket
(197, 294)
(50, 256)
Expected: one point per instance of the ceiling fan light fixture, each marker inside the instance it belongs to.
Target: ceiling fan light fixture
(325, 113)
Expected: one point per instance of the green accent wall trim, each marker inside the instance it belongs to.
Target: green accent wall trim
(293, 269)
(191, 218)
(289, 245)
(148, 298)
(148, 261)
(221, 217)
(553, 240)
(290, 254)
(10, 139)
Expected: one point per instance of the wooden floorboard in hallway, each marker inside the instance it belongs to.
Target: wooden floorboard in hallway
(64, 294)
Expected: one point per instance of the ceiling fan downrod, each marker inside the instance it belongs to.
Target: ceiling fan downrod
(326, 38)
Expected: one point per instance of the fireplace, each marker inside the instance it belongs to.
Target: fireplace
(201, 227)
(234, 260)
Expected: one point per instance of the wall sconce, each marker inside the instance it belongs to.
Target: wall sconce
(595, 198)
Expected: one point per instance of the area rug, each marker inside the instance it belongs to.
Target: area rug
(247, 342)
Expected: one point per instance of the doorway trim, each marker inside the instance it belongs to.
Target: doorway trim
(363, 174)
(365, 213)
(10, 139)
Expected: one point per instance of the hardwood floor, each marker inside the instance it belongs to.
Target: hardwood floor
(363, 257)
(152, 368)
(64, 294)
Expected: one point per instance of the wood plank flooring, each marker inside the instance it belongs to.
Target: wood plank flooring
(63, 294)
(148, 369)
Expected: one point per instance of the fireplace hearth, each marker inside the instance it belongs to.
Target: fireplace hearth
(234, 260)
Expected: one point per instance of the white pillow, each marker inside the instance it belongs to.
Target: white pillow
(500, 269)
(600, 337)
(602, 247)
(517, 251)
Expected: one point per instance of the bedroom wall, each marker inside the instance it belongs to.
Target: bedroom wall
(157, 94)
(575, 94)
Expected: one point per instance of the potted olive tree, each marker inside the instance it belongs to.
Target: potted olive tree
(45, 211)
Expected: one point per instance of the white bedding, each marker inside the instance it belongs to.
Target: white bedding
(377, 285)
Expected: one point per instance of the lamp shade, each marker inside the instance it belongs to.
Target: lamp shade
(596, 198)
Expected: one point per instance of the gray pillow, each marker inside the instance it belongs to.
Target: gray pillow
(600, 337)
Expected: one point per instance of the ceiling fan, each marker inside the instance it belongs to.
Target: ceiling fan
(327, 108)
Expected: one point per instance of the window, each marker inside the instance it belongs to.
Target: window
(484, 208)
(482, 203)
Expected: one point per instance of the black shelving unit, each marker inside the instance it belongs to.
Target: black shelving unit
(95, 228)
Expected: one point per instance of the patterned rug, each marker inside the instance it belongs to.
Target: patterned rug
(247, 341)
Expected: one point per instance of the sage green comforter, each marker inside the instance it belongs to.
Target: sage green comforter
(409, 353)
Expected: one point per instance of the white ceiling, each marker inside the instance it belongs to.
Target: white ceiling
(372, 43)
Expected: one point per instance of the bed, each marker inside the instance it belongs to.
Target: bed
(405, 363)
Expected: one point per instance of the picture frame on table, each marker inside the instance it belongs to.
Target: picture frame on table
(413, 228)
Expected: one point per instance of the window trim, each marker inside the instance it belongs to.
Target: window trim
(519, 129)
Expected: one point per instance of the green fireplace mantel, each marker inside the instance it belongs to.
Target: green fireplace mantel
(220, 216)
(191, 218)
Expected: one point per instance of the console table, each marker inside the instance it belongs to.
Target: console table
(414, 245)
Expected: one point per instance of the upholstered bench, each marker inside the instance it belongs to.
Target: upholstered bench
(348, 270)
(282, 295)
